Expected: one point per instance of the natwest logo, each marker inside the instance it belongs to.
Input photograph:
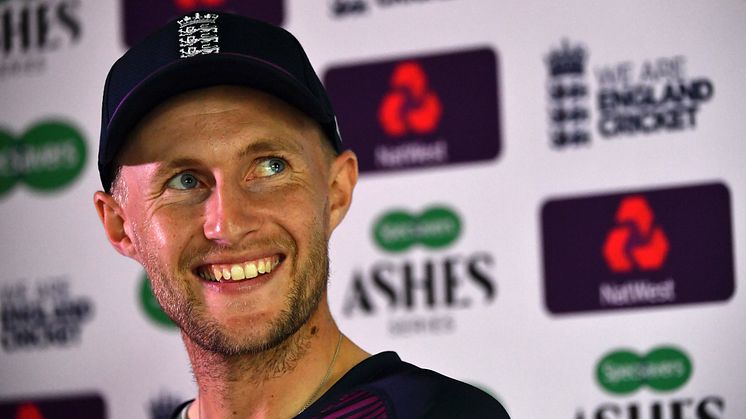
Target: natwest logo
(412, 113)
(411, 106)
(660, 247)
(419, 294)
(635, 242)
(138, 24)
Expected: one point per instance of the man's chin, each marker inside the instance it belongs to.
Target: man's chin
(236, 338)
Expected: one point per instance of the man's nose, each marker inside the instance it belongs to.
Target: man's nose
(228, 214)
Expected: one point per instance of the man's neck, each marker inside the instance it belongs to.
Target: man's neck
(279, 382)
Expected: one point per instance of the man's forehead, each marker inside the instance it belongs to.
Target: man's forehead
(246, 120)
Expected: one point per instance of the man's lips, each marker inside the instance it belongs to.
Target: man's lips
(232, 272)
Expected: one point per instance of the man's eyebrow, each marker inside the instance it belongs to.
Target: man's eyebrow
(169, 167)
(270, 145)
(262, 146)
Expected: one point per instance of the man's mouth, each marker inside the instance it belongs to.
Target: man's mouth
(232, 272)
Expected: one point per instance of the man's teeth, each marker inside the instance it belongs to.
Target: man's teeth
(239, 271)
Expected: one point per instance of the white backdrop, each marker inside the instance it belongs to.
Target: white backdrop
(73, 323)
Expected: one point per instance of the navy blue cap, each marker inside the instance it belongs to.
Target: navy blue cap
(205, 49)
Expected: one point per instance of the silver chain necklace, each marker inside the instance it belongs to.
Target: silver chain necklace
(326, 377)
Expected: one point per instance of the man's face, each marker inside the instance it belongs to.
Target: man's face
(230, 182)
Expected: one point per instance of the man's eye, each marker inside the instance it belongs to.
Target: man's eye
(183, 181)
(271, 167)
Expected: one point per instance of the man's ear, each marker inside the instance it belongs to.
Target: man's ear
(343, 177)
(112, 217)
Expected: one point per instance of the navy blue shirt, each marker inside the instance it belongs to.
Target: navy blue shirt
(384, 386)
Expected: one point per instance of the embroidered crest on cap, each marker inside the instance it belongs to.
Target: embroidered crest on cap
(198, 34)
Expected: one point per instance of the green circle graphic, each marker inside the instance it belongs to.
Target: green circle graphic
(395, 231)
(54, 154)
(151, 306)
(663, 369)
(619, 372)
(438, 227)
(668, 369)
(8, 176)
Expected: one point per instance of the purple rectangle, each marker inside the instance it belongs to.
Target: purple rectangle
(62, 407)
(142, 17)
(649, 248)
(419, 111)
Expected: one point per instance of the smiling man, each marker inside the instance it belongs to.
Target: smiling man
(224, 175)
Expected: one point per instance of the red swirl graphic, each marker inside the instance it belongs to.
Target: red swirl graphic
(28, 411)
(410, 106)
(635, 242)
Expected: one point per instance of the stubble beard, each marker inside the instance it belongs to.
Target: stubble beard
(178, 300)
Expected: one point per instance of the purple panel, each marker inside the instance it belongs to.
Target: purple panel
(84, 406)
(141, 17)
(419, 111)
(649, 248)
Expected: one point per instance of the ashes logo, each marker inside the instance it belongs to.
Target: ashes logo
(198, 34)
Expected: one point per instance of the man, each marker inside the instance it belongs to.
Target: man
(224, 175)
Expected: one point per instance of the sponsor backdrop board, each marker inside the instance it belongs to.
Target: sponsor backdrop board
(550, 207)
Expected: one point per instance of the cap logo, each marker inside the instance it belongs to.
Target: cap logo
(198, 34)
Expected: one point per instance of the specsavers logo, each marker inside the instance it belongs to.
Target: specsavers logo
(397, 231)
(47, 157)
(419, 294)
(664, 371)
